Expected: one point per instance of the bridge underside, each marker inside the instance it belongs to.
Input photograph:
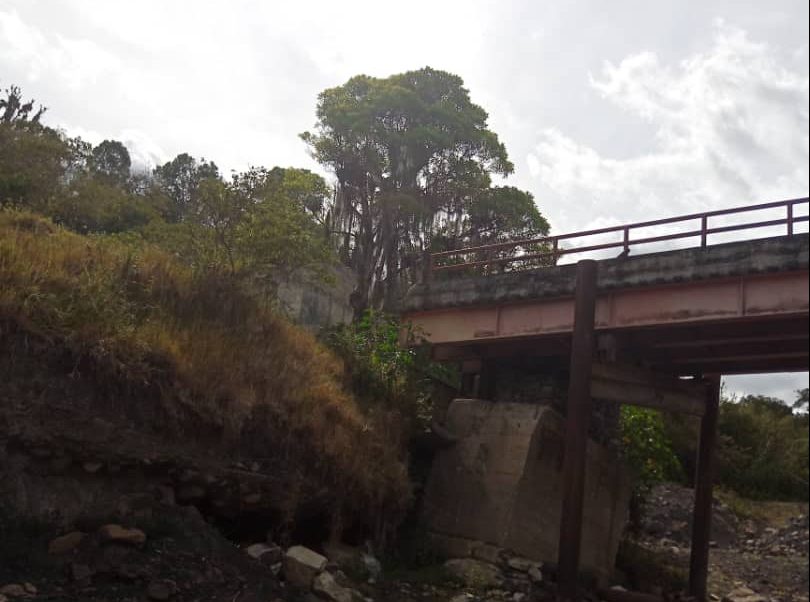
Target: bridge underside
(752, 346)
(625, 330)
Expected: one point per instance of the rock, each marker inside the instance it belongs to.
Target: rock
(30, 588)
(487, 553)
(326, 586)
(65, 543)
(165, 495)
(743, 594)
(14, 590)
(535, 574)
(119, 534)
(3, 598)
(266, 553)
(252, 498)
(160, 590)
(521, 565)
(81, 572)
(92, 467)
(301, 565)
(474, 573)
(190, 493)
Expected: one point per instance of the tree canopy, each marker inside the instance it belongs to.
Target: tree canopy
(414, 158)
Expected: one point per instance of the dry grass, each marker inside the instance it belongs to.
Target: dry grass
(266, 386)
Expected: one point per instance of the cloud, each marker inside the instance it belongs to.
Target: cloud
(731, 128)
(75, 62)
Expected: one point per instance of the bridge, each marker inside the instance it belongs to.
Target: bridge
(655, 329)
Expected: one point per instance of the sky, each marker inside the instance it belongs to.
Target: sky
(645, 110)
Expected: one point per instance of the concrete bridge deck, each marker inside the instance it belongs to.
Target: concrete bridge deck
(730, 308)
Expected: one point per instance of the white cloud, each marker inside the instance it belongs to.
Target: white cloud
(731, 127)
(76, 62)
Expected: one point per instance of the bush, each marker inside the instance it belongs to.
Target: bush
(263, 386)
(763, 451)
(647, 447)
(385, 374)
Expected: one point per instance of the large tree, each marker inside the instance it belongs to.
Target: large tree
(110, 162)
(413, 157)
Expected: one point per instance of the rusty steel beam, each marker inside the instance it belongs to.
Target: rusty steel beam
(583, 343)
(704, 481)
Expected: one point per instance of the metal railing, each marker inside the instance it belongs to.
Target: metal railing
(555, 250)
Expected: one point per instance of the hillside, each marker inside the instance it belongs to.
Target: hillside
(118, 361)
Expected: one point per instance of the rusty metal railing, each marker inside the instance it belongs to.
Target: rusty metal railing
(434, 261)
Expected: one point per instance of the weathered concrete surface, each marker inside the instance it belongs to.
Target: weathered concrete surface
(780, 254)
(314, 304)
(502, 484)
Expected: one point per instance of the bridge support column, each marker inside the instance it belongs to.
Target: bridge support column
(704, 480)
(576, 436)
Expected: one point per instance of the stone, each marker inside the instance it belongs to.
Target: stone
(326, 586)
(474, 573)
(301, 565)
(3, 598)
(81, 572)
(165, 495)
(92, 467)
(267, 553)
(487, 553)
(743, 594)
(119, 534)
(521, 565)
(30, 588)
(65, 543)
(190, 493)
(14, 590)
(535, 574)
(160, 590)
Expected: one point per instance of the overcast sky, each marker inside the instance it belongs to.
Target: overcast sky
(648, 109)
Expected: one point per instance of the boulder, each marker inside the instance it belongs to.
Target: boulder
(474, 573)
(302, 565)
(266, 553)
(743, 594)
(119, 534)
(325, 586)
(65, 543)
(13, 590)
(161, 590)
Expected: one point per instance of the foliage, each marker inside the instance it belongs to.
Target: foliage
(763, 451)
(383, 372)
(646, 446)
(15, 111)
(220, 358)
(110, 162)
(413, 157)
(802, 399)
(180, 178)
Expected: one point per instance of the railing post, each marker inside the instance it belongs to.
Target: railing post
(627, 240)
(704, 235)
(790, 219)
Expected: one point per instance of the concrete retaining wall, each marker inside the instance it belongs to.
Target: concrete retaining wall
(501, 484)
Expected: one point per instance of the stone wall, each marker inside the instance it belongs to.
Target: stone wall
(501, 484)
(314, 304)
